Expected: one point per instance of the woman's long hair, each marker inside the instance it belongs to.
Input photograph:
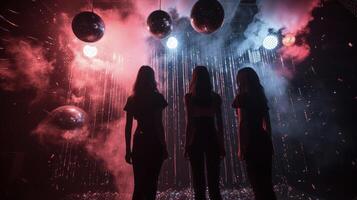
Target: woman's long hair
(249, 84)
(145, 82)
(201, 86)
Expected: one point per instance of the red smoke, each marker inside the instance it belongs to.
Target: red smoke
(296, 52)
(293, 16)
(28, 67)
(49, 134)
(111, 149)
(102, 82)
(107, 80)
(121, 51)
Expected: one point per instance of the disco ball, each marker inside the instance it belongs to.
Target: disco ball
(207, 16)
(159, 24)
(88, 26)
(68, 118)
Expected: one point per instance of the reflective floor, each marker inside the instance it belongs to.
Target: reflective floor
(284, 192)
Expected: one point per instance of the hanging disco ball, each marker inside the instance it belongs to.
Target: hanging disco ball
(207, 16)
(159, 24)
(68, 118)
(88, 26)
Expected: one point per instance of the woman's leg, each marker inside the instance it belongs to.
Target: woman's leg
(253, 176)
(139, 180)
(213, 172)
(152, 176)
(198, 174)
(260, 177)
(267, 180)
(139, 168)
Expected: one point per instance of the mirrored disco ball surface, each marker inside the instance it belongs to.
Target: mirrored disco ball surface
(68, 118)
(88, 26)
(207, 16)
(159, 24)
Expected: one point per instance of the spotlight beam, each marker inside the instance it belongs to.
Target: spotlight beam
(90, 51)
(270, 42)
(172, 43)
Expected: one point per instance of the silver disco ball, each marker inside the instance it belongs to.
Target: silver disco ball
(207, 16)
(159, 24)
(88, 26)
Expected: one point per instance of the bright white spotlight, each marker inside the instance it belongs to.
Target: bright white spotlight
(90, 51)
(172, 43)
(270, 42)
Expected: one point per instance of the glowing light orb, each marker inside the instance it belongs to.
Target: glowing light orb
(270, 42)
(289, 40)
(90, 51)
(172, 43)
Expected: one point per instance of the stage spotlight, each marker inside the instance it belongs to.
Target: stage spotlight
(90, 51)
(289, 40)
(270, 42)
(172, 43)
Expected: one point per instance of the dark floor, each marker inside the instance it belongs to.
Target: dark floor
(284, 192)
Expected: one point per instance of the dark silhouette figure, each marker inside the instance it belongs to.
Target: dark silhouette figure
(254, 135)
(149, 146)
(204, 134)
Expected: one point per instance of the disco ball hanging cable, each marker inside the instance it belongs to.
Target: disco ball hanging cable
(91, 3)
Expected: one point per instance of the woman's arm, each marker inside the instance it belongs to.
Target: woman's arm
(242, 134)
(161, 132)
(160, 127)
(188, 126)
(266, 122)
(128, 127)
(220, 131)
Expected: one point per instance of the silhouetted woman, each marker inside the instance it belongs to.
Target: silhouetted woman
(254, 134)
(149, 147)
(204, 134)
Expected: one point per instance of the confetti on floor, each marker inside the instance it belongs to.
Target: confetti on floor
(283, 192)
